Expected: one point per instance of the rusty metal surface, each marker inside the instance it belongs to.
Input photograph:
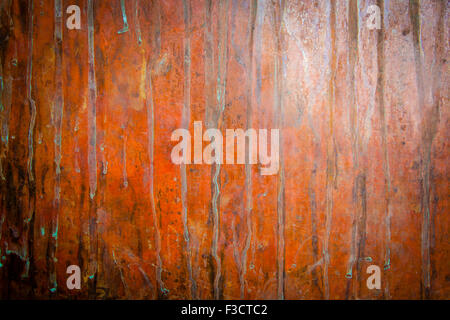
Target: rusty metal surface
(87, 179)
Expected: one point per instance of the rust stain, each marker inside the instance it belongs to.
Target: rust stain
(86, 175)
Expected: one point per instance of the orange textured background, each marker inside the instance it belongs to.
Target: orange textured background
(86, 176)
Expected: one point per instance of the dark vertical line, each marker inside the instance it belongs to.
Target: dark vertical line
(384, 134)
(314, 236)
(248, 171)
(151, 126)
(220, 107)
(3, 151)
(434, 118)
(414, 15)
(101, 199)
(361, 195)
(5, 83)
(3, 124)
(81, 249)
(7, 190)
(29, 217)
(29, 221)
(58, 109)
(124, 153)
(209, 64)
(209, 107)
(150, 107)
(430, 120)
(359, 186)
(92, 111)
(92, 153)
(353, 12)
(279, 71)
(258, 44)
(258, 40)
(185, 125)
(331, 147)
(31, 102)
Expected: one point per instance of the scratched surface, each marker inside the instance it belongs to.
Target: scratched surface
(86, 176)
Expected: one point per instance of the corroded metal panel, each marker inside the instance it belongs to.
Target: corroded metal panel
(87, 178)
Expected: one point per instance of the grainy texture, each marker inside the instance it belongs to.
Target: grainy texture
(86, 176)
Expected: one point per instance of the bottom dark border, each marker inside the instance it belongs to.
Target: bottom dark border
(224, 309)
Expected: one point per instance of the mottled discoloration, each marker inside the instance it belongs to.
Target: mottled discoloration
(86, 176)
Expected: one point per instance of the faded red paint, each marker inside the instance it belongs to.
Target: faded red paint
(364, 150)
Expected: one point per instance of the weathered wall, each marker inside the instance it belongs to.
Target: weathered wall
(86, 175)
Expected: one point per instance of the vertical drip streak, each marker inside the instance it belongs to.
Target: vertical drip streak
(92, 150)
(124, 156)
(414, 13)
(136, 22)
(209, 64)
(221, 92)
(2, 123)
(209, 100)
(151, 142)
(3, 147)
(432, 128)
(248, 171)
(29, 219)
(58, 115)
(124, 17)
(92, 112)
(360, 171)
(185, 125)
(216, 221)
(331, 147)
(29, 91)
(431, 118)
(278, 100)
(353, 27)
(384, 133)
